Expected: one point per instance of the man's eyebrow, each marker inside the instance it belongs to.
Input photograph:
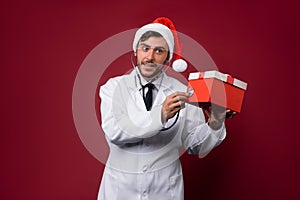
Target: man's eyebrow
(144, 44)
(160, 47)
(147, 45)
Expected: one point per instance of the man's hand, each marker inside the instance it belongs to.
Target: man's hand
(172, 104)
(216, 115)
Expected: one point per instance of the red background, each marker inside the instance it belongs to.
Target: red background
(44, 43)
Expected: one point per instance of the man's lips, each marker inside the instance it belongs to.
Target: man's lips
(149, 64)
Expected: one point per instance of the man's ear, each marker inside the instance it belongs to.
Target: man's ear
(134, 54)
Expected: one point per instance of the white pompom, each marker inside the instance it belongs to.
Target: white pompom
(179, 65)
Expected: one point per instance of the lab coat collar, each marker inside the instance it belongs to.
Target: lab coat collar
(132, 81)
(156, 82)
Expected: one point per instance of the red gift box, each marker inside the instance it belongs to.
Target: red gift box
(217, 88)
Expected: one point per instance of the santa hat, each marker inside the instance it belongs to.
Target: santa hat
(166, 28)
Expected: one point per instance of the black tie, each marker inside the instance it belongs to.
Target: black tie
(148, 98)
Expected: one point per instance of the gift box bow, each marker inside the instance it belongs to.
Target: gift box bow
(220, 76)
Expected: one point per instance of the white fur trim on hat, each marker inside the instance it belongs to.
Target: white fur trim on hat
(157, 27)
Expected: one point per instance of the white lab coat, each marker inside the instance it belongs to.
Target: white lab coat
(144, 161)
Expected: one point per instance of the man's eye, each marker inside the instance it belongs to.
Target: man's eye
(159, 51)
(145, 48)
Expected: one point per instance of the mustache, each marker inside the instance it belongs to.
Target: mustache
(152, 64)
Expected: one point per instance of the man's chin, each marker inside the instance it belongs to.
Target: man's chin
(148, 72)
(147, 75)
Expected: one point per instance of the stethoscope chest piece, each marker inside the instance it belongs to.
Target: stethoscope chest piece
(190, 91)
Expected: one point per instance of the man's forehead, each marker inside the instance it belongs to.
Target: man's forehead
(155, 42)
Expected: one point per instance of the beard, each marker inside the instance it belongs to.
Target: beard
(150, 70)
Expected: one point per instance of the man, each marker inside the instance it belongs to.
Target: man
(148, 123)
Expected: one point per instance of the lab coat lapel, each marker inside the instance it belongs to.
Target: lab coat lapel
(161, 96)
(163, 91)
(130, 81)
(133, 89)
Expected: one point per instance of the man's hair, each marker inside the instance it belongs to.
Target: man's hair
(149, 34)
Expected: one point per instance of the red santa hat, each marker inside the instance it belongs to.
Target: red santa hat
(166, 28)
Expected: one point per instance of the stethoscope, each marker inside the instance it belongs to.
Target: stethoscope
(151, 81)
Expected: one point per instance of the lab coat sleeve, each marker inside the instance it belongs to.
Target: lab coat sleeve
(122, 121)
(198, 137)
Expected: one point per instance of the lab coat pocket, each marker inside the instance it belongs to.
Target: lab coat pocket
(176, 187)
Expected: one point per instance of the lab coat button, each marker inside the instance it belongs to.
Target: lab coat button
(172, 181)
(144, 193)
(144, 168)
